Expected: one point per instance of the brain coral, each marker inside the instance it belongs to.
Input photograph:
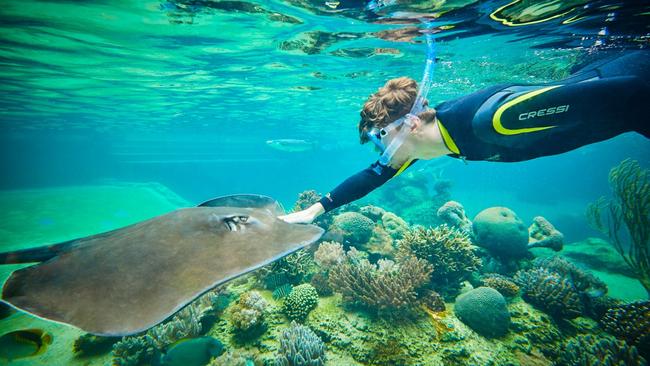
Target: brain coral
(501, 232)
(300, 302)
(484, 310)
(356, 228)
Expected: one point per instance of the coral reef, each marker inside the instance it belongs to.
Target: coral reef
(627, 223)
(582, 280)
(328, 254)
(374, 213)
(503, 284)
(301, 300)
(588, 350)
(388, 289)
(248, 312)
(236, 358)
(448, 250)
(320, 281)
(452, 213)
(501, 232)
(630, 322)
(550, 292)
(300, 346)
(484, 310)
(355, 228)
(294, 269)
(133, 351)
(89, 344)
(394, 225)
(542, 234)
(186, 323)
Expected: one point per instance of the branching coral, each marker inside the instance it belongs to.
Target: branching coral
(389, 289)
(582, 280)
(300, 346)
(550, 292)
(133, 351)
(300, 302)
(186, 323)
(448, 250)
(627, 215)
(293, 269)
(630, 322)
(588, 350)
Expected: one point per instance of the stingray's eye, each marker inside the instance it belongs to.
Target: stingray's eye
(235, 223)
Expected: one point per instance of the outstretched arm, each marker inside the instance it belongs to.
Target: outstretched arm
(350, 190)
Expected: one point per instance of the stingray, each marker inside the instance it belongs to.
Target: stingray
(128, 280)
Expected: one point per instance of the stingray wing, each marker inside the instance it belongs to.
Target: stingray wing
(130, 279)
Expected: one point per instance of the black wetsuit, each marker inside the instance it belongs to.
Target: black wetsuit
(512, 123)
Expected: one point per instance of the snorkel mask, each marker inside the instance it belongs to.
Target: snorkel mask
(377, 135)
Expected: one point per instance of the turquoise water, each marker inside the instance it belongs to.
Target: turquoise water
(113, 112)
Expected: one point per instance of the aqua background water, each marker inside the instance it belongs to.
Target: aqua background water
(187, 94)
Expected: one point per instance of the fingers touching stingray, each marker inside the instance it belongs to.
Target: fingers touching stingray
(130, 279)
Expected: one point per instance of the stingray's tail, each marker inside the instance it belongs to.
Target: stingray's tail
(38, 254)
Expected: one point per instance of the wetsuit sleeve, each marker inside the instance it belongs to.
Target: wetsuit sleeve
(358, 185)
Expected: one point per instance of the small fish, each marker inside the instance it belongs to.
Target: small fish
(291, 145)
(192, 352)
(24, 343)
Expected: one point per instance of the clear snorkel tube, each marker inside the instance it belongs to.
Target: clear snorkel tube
(406, 121)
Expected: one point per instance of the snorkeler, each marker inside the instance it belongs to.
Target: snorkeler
(502, 123)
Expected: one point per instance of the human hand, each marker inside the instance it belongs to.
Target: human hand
(300, 217)
(305, 216)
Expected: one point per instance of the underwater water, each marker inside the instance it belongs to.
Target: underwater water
(112, 113)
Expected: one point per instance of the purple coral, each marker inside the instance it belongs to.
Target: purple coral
(551, 292)
(630, 322)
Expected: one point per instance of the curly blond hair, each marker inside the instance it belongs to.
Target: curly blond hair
(390, 102)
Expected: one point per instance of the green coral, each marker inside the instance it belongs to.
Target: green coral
(301, 300)
(627, 216)
(484, 310)
(133, 351)
(448, 250)
(355, 228)
(394, 225)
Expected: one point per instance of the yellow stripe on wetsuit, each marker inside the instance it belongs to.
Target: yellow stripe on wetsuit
(496, 119)
(403, 167)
